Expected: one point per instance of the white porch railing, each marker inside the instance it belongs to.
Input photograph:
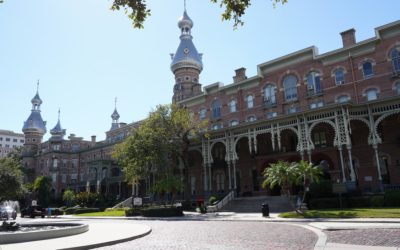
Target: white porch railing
(221, 203)
(125, 203)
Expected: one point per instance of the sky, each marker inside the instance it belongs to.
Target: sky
(85, 55)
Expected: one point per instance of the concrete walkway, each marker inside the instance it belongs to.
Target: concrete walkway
(99, 234)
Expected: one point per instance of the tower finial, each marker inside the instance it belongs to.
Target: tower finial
(184, 4)
(37, 86)
(115, 104)
(58, 114)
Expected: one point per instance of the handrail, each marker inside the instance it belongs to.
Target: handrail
(125, 203)
(222, 203)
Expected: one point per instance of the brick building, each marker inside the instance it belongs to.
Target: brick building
(339, 110)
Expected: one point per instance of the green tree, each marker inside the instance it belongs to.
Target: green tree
(306, 173)
(138, 11)
(42, 188)
(162, 140)
(280, 174)
(69, 197)
(168, 184)
(11, 177)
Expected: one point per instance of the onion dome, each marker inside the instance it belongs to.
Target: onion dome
(186, 55)
(57, 133)
(35, 123)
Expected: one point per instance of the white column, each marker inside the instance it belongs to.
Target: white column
(234, 174)
(98, 186)
(205, 177)
(342, 163)
(309, 156)
(229, 175)
(209, 177)
(88, 186)
(352, 171)
(378, 164)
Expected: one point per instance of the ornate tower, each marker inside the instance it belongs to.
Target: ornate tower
(57, 133)
(115, 117)
(186, 63)
(34, 128)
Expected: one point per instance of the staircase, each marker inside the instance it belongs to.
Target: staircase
(277, 204)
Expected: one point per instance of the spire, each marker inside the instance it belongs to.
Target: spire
(186, 55)
(115, 116)
(35, 123)
(57, 133)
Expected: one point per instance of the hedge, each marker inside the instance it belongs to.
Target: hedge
(162, 212)
(392, 198)
(74, 210)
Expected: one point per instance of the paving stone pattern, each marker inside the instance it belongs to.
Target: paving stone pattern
(221, 235)
(368, 237)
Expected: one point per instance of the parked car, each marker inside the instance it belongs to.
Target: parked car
(7, 213)
(33, 211)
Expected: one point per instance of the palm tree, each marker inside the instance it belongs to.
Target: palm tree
(306, 173)
(282, 174)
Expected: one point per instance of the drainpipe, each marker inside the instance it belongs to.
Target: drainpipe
(354, 77)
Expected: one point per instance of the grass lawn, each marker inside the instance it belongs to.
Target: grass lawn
(105, 213)
(347, 213)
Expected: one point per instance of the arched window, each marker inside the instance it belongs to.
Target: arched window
(372, 94)
(339, 76)
(290, 86)
(216, 109)
(397, 85)
(232, 106)
(234, 123)
(270, 95)
(367, 69)
(251, 118)
(313, 83)
(343, 99)
(217, 126)
(250, 101)
(395, 56)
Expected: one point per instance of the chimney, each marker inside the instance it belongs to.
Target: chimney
(348, 37)
(240, 75)
(93, 140)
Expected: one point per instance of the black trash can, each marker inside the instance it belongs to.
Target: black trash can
(265, 209)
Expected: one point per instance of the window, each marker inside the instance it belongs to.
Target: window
(320, 139)
(270, 95)
(343, 99)
(55, 163)
(1, 138)
(315, 105)
(313, 83)
(367, 69)
(216, 109)
(395, 56)
(397, 86)
(234, 123)
(21, 141)
(251, 118)
(15, 140)
(7, 139)
(232, 106)
(372, 94)
(339, 76)
(7, 146)
(290, 86)
(292, 110)
(54, 177)
(271, 115)
(217, 126)
(220, 182)
(202, 113)
(250, 101)
(63, 178)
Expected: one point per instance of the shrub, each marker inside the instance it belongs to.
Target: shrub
(212, 200)
(132, 212)
(358, 201)
(377, 201)
(321, 189)
(326, 203)
(392, 198)
(86, 210)
(162, 212)
(70, 210)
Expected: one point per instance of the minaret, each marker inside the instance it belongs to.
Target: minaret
(115, 117)
(186, 62)
(57, 133)
(34, 128)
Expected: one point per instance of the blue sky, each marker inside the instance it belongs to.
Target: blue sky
(85, 55)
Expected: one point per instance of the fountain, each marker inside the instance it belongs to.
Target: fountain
(13, 232)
